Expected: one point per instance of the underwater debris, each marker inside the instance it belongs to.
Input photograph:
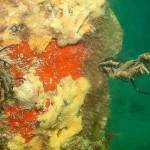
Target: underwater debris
(127, 71)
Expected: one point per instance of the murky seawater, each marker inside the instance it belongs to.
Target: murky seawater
(130, 111)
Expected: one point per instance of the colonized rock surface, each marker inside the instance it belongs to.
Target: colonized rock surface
(105, 42)
(81, 66)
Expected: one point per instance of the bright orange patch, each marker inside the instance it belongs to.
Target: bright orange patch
(54, 64)
(22, 121)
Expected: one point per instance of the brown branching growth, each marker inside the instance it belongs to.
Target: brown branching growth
(127, 71)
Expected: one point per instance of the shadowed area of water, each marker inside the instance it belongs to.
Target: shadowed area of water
(130, 111)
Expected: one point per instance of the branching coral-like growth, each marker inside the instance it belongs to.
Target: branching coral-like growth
(129, 70)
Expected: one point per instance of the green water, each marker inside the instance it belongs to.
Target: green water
(130, 111)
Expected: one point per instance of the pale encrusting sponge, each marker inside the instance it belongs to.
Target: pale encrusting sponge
(40, 21)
